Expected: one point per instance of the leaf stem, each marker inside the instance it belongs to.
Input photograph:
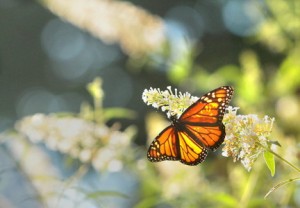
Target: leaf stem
(284, 160)
(286, 181)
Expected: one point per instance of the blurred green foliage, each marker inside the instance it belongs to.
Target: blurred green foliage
(263, 86)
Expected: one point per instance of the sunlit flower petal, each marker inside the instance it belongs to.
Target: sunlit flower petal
(246, 136)
(173, 104)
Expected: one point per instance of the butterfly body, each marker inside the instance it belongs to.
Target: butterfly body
(198, 129)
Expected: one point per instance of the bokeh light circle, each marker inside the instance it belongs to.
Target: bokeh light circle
(38, 100)
(242, 17)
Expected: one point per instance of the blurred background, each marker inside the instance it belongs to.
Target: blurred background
(77, 69)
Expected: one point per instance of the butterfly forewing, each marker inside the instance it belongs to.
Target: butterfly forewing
(204, 118)
(199, 128)
(209, 108)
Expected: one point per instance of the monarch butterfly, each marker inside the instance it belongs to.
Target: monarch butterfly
(198, 129)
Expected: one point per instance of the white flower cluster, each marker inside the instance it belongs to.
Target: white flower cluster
(137, 31)
(173, 104)
(100, 145)
(246, 136)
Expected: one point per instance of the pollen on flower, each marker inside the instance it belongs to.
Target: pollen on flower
(246, 136)
(169, 102)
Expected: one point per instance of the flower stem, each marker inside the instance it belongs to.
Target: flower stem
(250, 186)
(281, 184)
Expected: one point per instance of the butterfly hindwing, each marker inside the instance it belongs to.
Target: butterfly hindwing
(191, 152)
(165, 146)
(199, 128)
(172, 144)
(210, 137)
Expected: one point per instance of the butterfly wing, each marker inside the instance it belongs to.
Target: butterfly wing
(203, 119)
(198, 128)
(172, 144)
(191, 152)
(164, 146)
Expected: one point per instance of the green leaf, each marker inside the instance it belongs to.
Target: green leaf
(270, 161)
